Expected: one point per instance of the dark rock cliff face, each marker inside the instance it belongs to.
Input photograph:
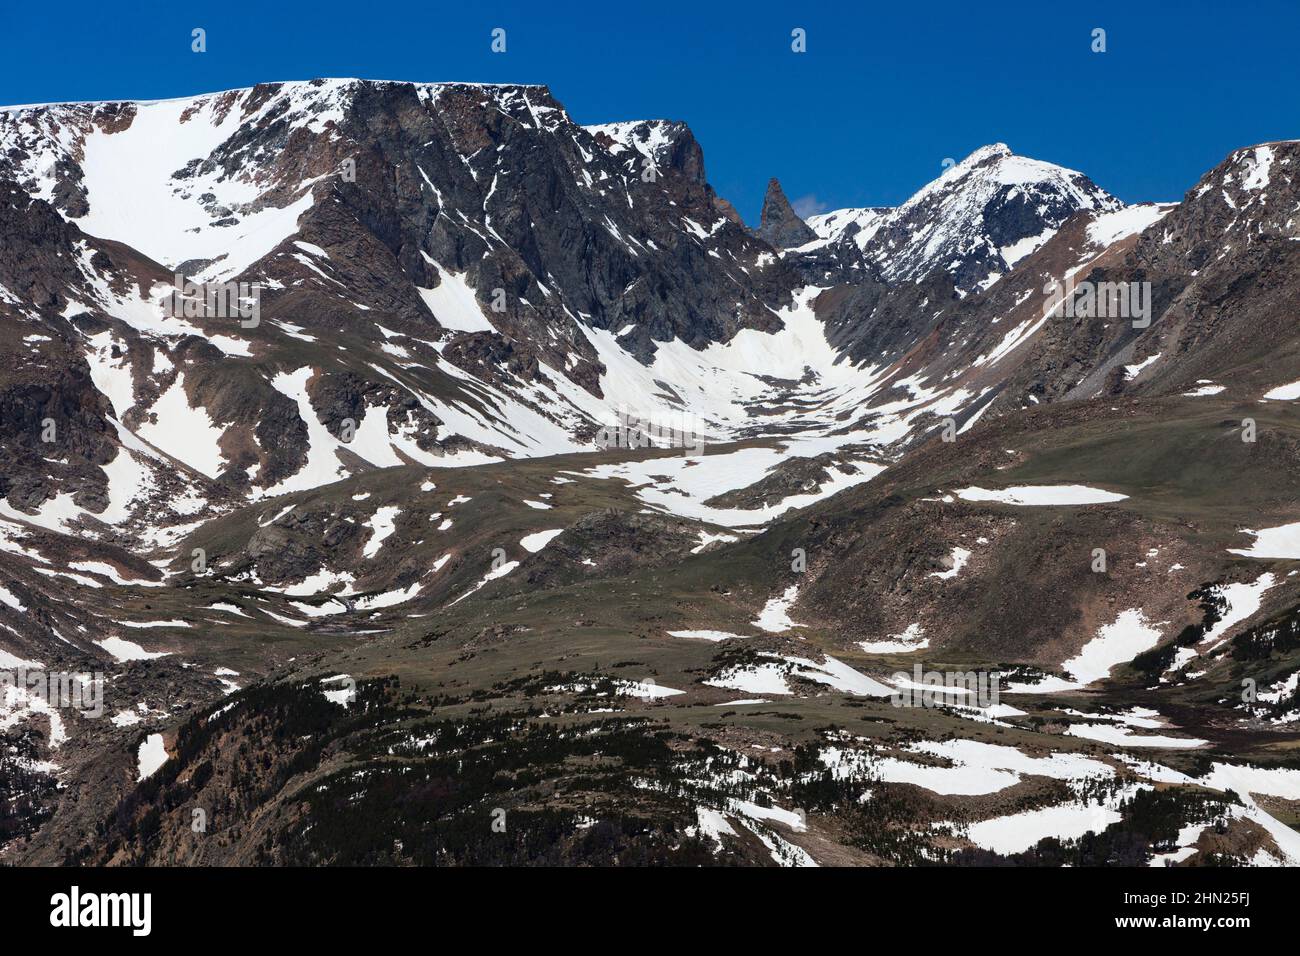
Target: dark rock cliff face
(569, 222)
(53, 427)
(832, 263)
(780, 224)
(34, 262)
(566, 222)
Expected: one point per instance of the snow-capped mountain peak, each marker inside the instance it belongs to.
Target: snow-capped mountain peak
(975, 221)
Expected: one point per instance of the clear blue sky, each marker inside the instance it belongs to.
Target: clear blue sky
(883, 94)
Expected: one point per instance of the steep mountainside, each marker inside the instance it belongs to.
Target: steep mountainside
(1223, 300)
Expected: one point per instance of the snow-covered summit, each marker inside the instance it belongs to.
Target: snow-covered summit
(975, 221)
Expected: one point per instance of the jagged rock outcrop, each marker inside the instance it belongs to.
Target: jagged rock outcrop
(781, 226)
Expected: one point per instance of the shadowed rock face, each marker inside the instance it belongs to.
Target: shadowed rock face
(525, 201)
(33, 261)
(530, 203)
(36, 264)
(780, 225)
